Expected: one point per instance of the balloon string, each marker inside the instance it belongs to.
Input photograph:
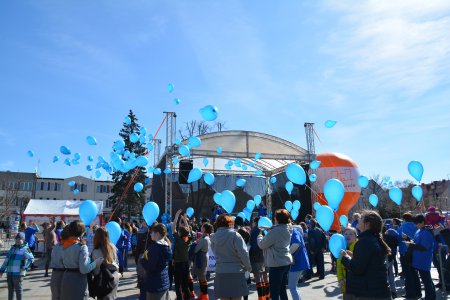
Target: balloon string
(136, 171)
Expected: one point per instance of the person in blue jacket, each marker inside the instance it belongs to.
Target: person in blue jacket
(301, 261)
(409, 230)
(30, 238)
(422, 255)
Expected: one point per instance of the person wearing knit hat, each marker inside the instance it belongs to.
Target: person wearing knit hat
(15, 265)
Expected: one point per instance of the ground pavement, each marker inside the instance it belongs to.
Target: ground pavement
(36, 286)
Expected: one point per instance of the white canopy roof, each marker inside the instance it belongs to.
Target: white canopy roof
(57, 207)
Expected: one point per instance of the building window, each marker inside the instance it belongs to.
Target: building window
(42, 186)
(103, 188)
(98, 189)
(52, 186)
(48, 186)
(59, 186)
(83, 188)
(108, 189)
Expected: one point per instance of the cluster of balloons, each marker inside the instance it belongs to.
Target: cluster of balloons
(293, 208)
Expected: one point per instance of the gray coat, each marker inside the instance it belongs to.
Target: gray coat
(56, 263)
(230, 252)
(275, 246)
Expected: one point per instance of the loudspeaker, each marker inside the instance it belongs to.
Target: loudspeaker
(185, 167)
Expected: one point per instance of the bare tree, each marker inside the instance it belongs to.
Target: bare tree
(14, 196)
(194, 127)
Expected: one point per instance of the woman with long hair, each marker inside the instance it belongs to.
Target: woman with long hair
(103, 248)
(156, 261)
(367, 266)
(76, 262)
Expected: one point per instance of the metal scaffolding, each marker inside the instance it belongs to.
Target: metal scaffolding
(171, 129)
(309, 130)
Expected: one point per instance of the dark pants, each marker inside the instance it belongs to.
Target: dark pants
(125, 258)
(171, 274)
(48, 258)
(181, 280)
(436, 262)
(120, 259)
(319, 261)
(430, 290)
(412, 290)
(278, 278)
(14, 285)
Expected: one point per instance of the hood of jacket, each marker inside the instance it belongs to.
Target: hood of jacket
(222, 236)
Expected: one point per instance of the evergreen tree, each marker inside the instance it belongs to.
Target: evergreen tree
(132, 202)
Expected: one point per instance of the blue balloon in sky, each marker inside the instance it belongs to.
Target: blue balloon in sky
(30, 153)
(143, 131)
(396, 195)
(314, 164)
(190, 212)
(336, 244)
(71, 183)
(228, 201)
(88, 211)
(417, 192)
(264, 222)
(343, 220)
(127, 120)
(55, 158)
(147, 180)
(167, 171)
(363, 181)
(325, 217)
(296, 205)
(98, 174)
(312, 177)
(296, 174)
(251, 205)
(257, 155)
(259, 172)
(289, 187)
(157, 171)
(241, 182)
(373, 199)
(177, 141)
(170, 87)
(184, 150)
(176, 101)
(138, 187)
(65, 150)
(114, 231)
(294, 214)
(119, 145)
(288, 205)
(330, 123)
(248, 213)
(67, 161)
(415, 168)
(244, 167)
(317, 205)
(175, 160)
(218, 198)
(209, 178)
(205, 161)
(273, 179)
(242, 215)
(334, 192)
(76, 191)
(194, 175)
(77, 156)
(89, 168)
(90, 158)
(219, 150)
(134, 137)
(141, 161)
(150, 212)
(257, 200)
(194, 142)
(209, 112)
(91, 140)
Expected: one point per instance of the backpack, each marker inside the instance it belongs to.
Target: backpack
(102, 284)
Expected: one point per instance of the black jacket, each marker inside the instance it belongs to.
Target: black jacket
(317, 240)
(367, 270)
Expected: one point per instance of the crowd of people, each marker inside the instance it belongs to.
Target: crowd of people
(171, 254)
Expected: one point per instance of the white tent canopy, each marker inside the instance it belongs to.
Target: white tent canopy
(57, 207)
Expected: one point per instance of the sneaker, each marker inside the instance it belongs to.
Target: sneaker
(438, 286)
(394, 295)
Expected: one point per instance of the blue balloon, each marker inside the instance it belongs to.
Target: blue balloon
(89, 168)
(244, 167)
(259, 172)
(417, 192)
(77, 156)
(373, 199)
(230, 163)
(143, 131)
(170, 87)
(313, 177)
(167, 171)
(76, 191)
(251, 205)
(71, 183)
(209, 112)
(415, 168)
(315, 164)
(142, 139)
(273, 179)
(288, 205)
(228, 201)
(325, 217)
(334, 192)
(138, 187)
(227, 166)
(343, 220)
(55, 158)
(252, 164)
(337, 243)
(176, 101)
(242, 215)
(177, 141)
(127, 120)
(296, 174)
(175, 160)
(75, 162)
(218, 198)
(257, 155)
(119, 145)
(248, 213)
(294, 214)
(396, 195)
(141, 161)
(190, 212)
(194, 175)
(64, 150)
(264, 222)
(289, 187)
(157, 171)
(205, 161)
(363, 181)
(91, 140)
(194, 142)
(134, 137)
(147, 180)
(219, 150)
(296, 205)
(30, 153)
(98, 174)
(241, 182)
(330, 123)
(88, 211)
(150, 212)
(317, 205)
(90, 158)
(184, 150)
(257, 200)
(209, 178)
(114, 231)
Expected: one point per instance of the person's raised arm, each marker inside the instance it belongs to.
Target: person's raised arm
(175, 221)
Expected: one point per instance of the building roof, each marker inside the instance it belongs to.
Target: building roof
(57, 207)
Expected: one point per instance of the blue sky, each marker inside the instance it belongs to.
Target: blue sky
(380, 68)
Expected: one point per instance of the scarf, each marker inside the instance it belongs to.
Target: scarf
(69, 242)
